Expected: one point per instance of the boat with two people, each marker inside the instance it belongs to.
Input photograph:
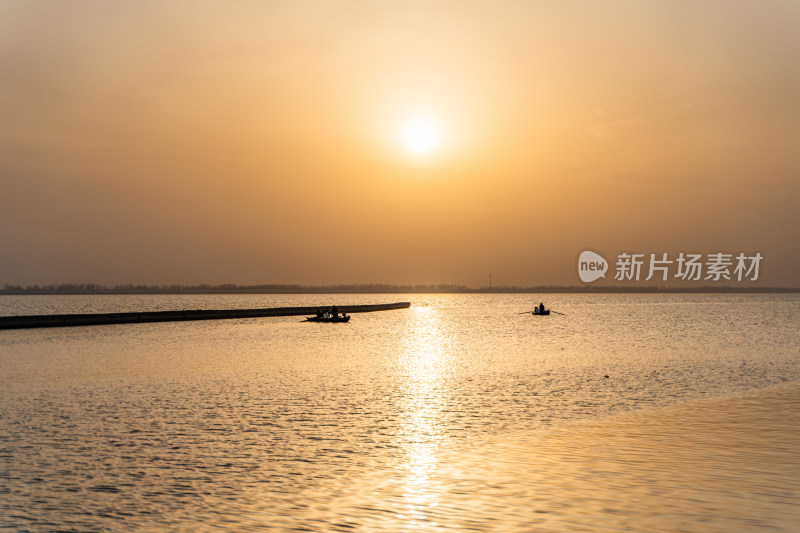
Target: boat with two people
(331, 315)
(540, 310)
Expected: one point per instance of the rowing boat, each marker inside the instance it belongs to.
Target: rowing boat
(328, 319)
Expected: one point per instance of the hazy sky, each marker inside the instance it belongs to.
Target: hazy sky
(263, 142)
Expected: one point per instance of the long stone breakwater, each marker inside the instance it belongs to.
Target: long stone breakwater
(96, 319)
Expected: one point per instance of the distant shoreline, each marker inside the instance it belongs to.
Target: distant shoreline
(70, 289)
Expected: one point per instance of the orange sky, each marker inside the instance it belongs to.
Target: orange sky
(260, 142)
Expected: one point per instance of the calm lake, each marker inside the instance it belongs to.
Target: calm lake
(625, 413)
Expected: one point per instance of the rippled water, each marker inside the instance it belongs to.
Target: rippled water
(457, 413)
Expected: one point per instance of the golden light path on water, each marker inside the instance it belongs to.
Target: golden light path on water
(425, 361)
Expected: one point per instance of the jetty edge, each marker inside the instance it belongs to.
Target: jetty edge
(99, 319)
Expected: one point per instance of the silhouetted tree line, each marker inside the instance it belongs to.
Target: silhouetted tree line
(98, 288)
(230, 287)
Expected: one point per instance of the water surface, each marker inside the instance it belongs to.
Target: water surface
(428, 418)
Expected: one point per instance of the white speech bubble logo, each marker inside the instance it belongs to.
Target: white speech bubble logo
(591, 266)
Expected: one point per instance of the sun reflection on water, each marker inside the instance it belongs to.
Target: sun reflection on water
(425, 364)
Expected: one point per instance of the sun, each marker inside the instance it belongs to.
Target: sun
(421, 135)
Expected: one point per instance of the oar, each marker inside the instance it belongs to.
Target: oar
(556, 312)
(525, 313)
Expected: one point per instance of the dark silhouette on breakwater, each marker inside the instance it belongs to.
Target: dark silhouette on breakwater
(97, 319)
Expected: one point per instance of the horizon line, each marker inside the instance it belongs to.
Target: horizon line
(369, 288)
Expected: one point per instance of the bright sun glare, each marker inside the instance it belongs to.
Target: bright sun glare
(421, 135)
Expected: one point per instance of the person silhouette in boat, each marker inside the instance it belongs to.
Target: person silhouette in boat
(319, 312)
(335, 312)
(539, 310)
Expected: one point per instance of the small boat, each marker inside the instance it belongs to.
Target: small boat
(546, 312)
(328, 319)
